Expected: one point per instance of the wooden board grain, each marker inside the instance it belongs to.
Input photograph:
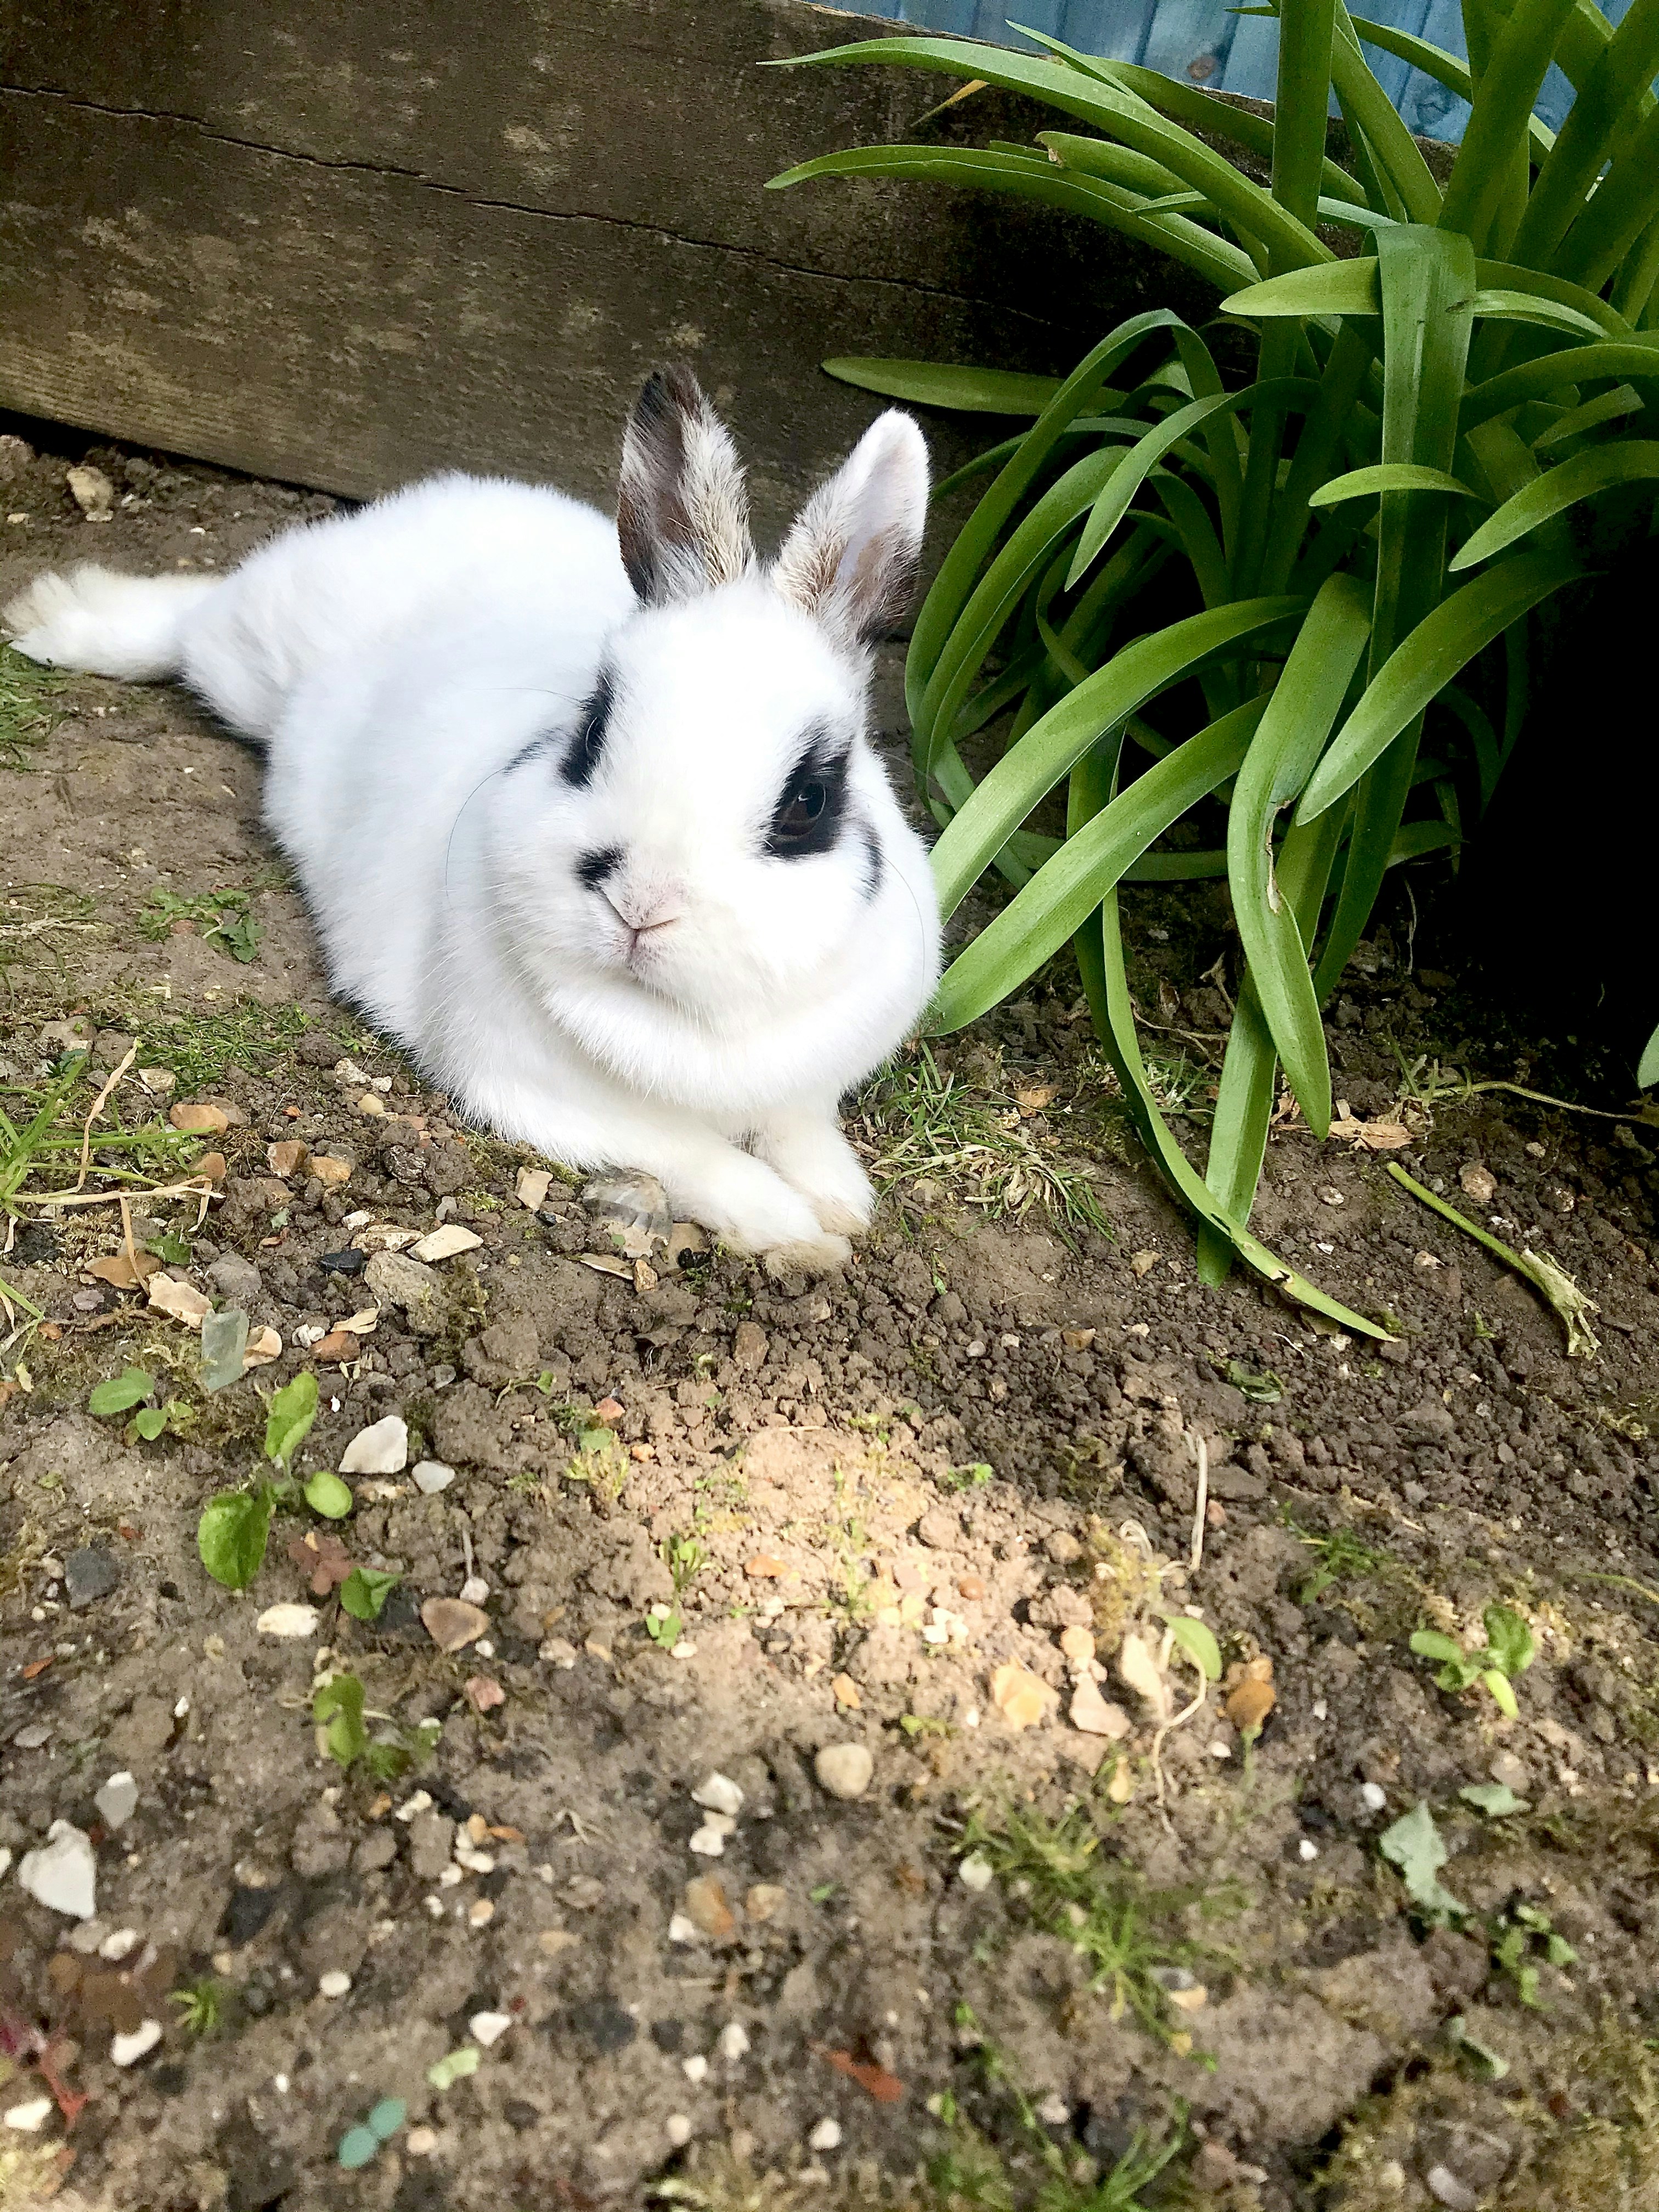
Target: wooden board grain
(346, 241)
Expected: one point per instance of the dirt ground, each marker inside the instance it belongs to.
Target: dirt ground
(715, 1525)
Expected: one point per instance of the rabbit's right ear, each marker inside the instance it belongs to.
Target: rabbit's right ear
(682, 507)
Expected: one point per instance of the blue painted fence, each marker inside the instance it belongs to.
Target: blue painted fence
(1228, 52)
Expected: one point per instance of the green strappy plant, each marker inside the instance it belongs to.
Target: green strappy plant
(1185, 600)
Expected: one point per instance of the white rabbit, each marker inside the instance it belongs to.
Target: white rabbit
(586, 815)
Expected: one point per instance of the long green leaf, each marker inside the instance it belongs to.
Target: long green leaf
(1388, 476)
(1305, 703)
(1214, 258)
(974, 543)
(1369, 110)
(1632, 461)
(1426, 660)
(1068, 888)
(938, 384)
(1636, 356)
(1618, 83)
(1336, 288)
(1202, 169)
(1215, 118)
(1618, 210)
(1100, 960)
(1504, 99)
(1047, 754)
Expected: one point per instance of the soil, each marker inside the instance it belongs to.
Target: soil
(1025, 1955)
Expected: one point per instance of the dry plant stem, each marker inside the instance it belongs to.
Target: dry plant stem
(195, 1187)
(98, 1105)
(1552, 1284)
(1180, 1721)
(1199, 1510)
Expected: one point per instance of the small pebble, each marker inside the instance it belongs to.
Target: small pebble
(678, 2130)
(695, 2069)
(117, 1801)
(421, 2143)
(488, 2028)
(734, 2042)
(288, 1620)
(556, 1651)
(683, 1929)
(431, 1475)
(481, 1912)
(720, 1794)
(381, 1449)
(1373, 1796)
(844, 1770)
(976, 1873)
(334, 1983)
(63, 1874)
(826, 2136)
(474, 1591)
(30, 2116)
(1307, 1851)
(710, 1842)
(128, 2050)
(120, 1944)
(1054, 2112)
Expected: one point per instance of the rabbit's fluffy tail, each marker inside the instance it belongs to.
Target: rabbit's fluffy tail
(104, 625)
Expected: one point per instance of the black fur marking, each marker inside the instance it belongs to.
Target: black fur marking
(594, 867)
(812, 804)
(589, 744)
(873, 867)
(538, 749)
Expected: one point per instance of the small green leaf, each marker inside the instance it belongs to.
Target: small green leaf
(1502, 1695)
(1510, 1639)
(1430, 1643)
(366, 1590)
(326, 1494)
(224, 1348)
(149, 1421)
(1413, 1845)
(1199, 1645)
(232, 1534)
(1492, 2063)
(337, 1708)
(288, 1418)
(454, 2066)
(1495, 1799)
(120, 1393)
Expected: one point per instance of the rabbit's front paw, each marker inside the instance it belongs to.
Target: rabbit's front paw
(812, 1156)
(752, 1210)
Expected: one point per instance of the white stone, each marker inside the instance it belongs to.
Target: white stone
(825, 2137)
(29, 2117)
(381, 1449)
(474, 1591)
(444, 1244)
(734, 2042)
(720, 1794)
(488, 2028)
(844, 1770)
(63, 1873)
(120, 1944)
(976, 1873)
(1307, 1851)
(419, 1801)
(431, 1476)
(334, 1983)
(678, 2130)
(682, 1928)
(1054, 2112)
(128, 2050)
(118, 1801)
(708, 1842)
(1373, 1796)
(695, 2069)
(288, 1620)
(421, 2143)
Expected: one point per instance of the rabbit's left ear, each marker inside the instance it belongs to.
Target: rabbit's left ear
(682, 505)
(850, 560)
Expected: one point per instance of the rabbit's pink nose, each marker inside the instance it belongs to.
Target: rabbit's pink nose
(644, 913)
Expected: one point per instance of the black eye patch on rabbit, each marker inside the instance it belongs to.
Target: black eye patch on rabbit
(812, 804)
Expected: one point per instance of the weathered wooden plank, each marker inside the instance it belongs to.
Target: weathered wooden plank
(346, 243)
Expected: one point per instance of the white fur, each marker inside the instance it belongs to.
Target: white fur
(699, 1015)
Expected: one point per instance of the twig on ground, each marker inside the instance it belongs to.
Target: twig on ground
(1200, 1510)
(1553, 1283)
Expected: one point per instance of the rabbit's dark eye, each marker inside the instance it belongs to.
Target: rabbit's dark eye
(800, 810)
(582, 757)
(807, 817)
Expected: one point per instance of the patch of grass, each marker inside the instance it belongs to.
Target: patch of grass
(923, 1122)
(1342, 1556)
(28, 714)
(220, 918)
(201, 2005)
(200, 1048)
(1124, 1930)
